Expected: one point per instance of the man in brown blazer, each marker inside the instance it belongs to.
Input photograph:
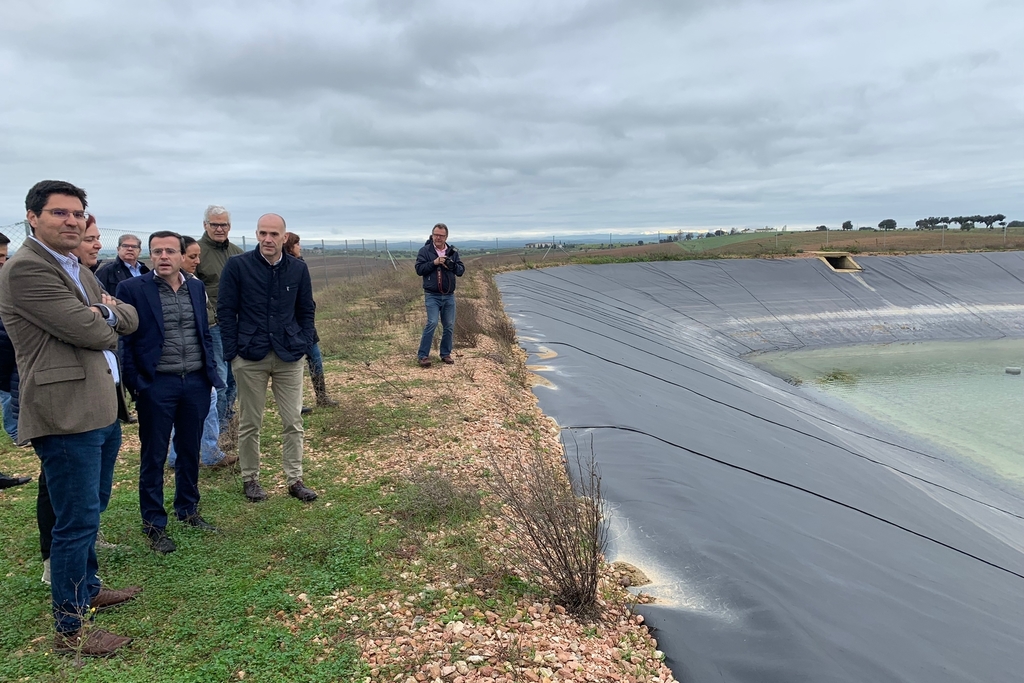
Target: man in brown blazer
(65, 330)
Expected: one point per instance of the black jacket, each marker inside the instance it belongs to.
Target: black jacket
(9, 381)
(439, 279)
(115, 271)
(263, 307)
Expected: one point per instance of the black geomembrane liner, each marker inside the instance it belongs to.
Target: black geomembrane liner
(787, 540)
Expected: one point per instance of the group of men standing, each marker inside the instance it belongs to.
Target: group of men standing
(79, 347)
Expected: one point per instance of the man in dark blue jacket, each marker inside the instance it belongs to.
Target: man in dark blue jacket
(265, 311)
(168, 365)
(439, 264)
(8, 384)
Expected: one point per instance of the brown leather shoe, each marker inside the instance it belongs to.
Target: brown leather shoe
(95, 643)
(300, 491)
(108, 598)
(226, 461)
(424, 362)
(447, 360)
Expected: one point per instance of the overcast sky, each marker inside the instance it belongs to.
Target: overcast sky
(380, 118)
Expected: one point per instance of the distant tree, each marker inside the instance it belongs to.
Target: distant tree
(989, 220)
(732, 231)
(821, 228)
(1015, 224)
(847, 225)
(689, 235)
(923, 224)
(887, 224)
(640, 243)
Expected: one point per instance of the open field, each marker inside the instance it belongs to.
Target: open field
(858, 241)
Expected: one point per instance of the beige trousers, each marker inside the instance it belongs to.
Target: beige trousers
(285, 379)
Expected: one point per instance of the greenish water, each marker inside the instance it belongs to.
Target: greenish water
(955, 394)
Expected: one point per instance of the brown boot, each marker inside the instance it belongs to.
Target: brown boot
(95, 642)
(320, 387)
(108, 598)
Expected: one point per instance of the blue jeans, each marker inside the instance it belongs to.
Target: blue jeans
(315, 360)
(209, 452)
(10, 424)
(79, 470)
(225, 397)
(182, 403)
(443, 305)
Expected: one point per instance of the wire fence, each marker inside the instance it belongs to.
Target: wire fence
(333, 260)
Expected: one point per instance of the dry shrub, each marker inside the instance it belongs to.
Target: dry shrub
(467, 324)
(557, 523)
(430, 498)
(501, 328)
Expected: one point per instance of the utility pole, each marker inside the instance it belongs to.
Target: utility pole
(323, 250)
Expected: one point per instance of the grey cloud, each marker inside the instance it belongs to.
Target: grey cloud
(579, 115)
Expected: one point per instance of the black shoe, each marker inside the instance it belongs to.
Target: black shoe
(254, 492)
(198, 522)
(306, 411)
(299, 490)
(7, 481)
(160, 541)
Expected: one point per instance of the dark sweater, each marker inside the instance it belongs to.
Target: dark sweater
(265, 307)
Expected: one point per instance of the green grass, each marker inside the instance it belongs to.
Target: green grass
(210, 609)
(223, 602)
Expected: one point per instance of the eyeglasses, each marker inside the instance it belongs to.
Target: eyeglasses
(134, 247)
(219, 225)
(161, 252)
(63, 214)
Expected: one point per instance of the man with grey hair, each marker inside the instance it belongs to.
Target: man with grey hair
(215, 250)
(125, 265)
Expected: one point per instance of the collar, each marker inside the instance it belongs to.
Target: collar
(181, 278)
(61, 258)
(206, 239)
(266, 260)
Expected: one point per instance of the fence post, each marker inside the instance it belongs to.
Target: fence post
(243, 242)
(323, 250)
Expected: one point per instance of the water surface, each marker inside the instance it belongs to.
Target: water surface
(954, 394)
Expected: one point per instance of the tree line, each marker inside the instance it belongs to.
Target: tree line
(965, 222)
(943, 222)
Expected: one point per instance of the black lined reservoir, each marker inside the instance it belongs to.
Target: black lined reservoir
(787, 537)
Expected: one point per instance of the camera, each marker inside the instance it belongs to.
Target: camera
(450, 256)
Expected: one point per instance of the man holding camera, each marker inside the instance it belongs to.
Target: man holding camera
(438, 263)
